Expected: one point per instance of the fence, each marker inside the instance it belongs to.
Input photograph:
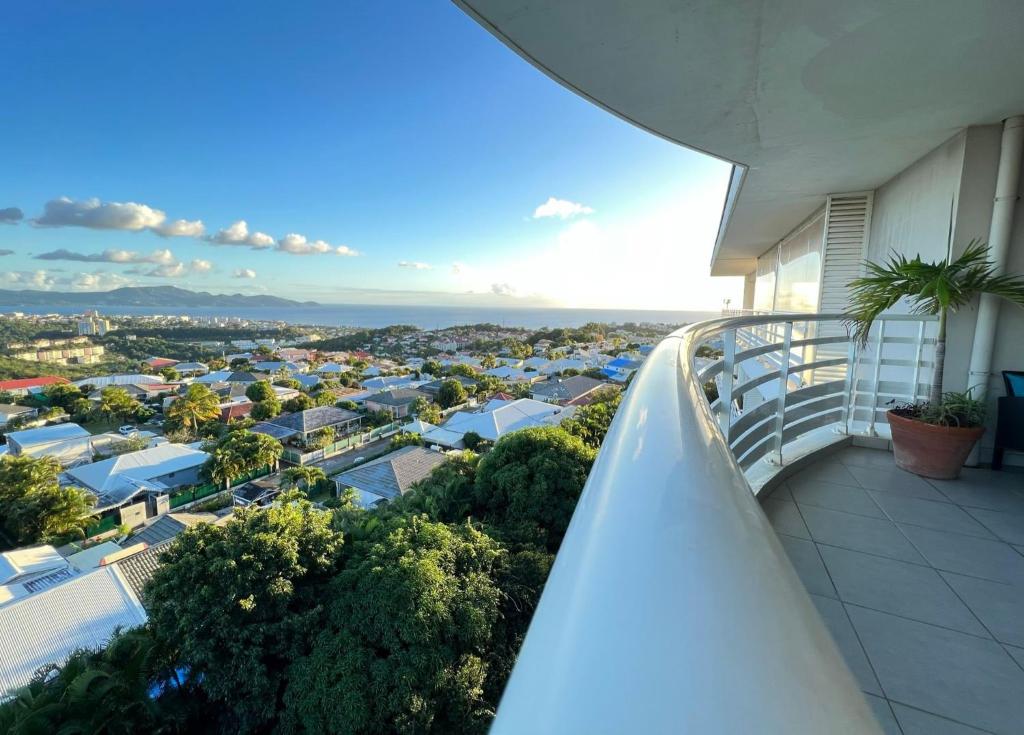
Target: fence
(198, 492)
(295, 456)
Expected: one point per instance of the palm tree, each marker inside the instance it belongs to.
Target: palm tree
(199, 404)
(942, 288)
(304, 476)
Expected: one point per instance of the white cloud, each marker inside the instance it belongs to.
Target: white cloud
(415, 265)
(296, 244)
(561, 208)
(171, 270)
(503, 289)
(97, 215)
(95, 281)
(244, 273)
(238, 234)
(181, 228)
(40, 279)
(109, 256)
(199, 265)
(459, 268)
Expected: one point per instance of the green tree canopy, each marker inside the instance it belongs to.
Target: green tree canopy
(34, 507)
(406, 642)
(267, 409)
(432, 367)
(117, 403)
(63, 395)
(240, 452)
(451, 394)
(300, 402)
(260, 391)
(530, 482)
(237, 603)
(199, 404)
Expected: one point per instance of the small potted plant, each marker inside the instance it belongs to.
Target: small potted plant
(935, 437)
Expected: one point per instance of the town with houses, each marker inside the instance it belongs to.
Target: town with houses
(231, 414)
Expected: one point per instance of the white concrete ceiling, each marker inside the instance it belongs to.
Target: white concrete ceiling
(810, 96)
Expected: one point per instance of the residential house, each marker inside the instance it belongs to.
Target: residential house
(24, 386)
(272, 366)
(332, 369)
(30, 569)
(191, 369)
(143, 392)
(513, 375)
(390, 476)
(102, 381)
(495, 419)
(46, 627)
(239, 377)
(168, 526)
(306, 381)
(397, 402)
(302, 425)
(566, 391)
(69, 443)
(159, 363)
(237, 407)
(620, 369)
(256, 493)
(389, 382)
(157, 470)
(434, 387)
(10, 411)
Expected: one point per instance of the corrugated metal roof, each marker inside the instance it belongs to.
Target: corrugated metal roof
(138, 569)
(47, 627)
(392, 474)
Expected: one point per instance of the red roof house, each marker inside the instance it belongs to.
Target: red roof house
(21, 386)
(161, 362)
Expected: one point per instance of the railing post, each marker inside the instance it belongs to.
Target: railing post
(849, 386)
(725, 394)
(780, 400)
(875, 379)
(917, 361)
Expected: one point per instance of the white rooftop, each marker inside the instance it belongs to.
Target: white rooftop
(18, 563)
(116, 479)
(45, 434)
(498, 418)
(47, 627)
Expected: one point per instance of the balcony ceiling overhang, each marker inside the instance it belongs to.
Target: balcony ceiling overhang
(805, 98)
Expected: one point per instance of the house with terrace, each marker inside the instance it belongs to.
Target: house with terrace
(300, 428)
(120, 480)
(566, 391)
(398, 402)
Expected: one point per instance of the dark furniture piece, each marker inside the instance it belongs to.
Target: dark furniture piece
(1010, 423)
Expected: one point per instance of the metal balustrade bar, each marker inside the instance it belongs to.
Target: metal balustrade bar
(671, 605)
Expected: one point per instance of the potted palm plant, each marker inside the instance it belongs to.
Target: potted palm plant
(932, 438)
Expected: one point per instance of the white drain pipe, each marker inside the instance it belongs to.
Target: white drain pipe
(1007, 193)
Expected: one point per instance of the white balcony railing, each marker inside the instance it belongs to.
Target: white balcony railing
(671, 606)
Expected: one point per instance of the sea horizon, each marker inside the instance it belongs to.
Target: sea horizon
(375, 316)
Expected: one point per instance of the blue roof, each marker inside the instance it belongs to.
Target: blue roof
(624, 363)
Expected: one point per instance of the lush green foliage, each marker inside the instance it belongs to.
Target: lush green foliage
(401, 619)
(199, 404)
(451, 394)
(237, 603)
(590, 423)
(260, 391)
(405, 440)
(267, 409)
(34, 507)
(299, 403)
(116, 403)
(241, 452)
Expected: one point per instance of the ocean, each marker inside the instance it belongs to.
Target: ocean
(424, 317)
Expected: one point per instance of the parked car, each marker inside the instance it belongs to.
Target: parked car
(127, 430)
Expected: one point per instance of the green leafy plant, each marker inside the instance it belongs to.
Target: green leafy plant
(954, 409)
(942, 287)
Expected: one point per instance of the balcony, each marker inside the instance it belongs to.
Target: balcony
(758, 564)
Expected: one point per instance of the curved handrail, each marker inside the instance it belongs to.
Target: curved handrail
(671, 606)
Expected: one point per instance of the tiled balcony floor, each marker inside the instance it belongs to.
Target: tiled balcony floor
(921, 583)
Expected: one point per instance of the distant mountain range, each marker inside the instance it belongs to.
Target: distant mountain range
(162, 296)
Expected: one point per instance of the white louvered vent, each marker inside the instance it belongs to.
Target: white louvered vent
(847, 221)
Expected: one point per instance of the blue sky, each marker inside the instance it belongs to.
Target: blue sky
(376, 152)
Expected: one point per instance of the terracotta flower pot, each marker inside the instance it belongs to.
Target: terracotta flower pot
(931, 451)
